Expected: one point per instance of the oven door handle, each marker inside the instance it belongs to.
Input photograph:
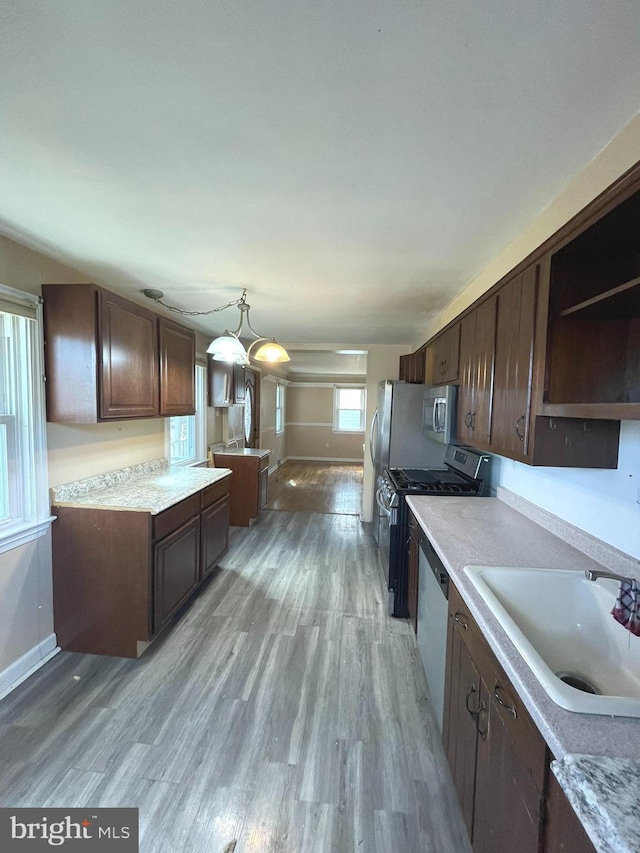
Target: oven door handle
(381, 503)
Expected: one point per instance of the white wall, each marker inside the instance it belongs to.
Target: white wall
(604, 503)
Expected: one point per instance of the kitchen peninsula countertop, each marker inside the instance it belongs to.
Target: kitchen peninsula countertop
(491, 532)
(242, 451)
(150, 487)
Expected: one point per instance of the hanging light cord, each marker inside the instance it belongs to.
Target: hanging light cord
(243, 306)
(157, 296)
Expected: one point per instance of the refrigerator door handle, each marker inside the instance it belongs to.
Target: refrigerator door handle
(373, 453)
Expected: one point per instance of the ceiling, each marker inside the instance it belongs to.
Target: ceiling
(353, 164)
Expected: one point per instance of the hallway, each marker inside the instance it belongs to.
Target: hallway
(327, 487)
(284, 709)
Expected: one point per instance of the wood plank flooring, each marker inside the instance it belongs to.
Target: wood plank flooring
(284, 709)
(329, 487)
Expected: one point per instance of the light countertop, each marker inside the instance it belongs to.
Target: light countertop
(242, 451)
(151, 487)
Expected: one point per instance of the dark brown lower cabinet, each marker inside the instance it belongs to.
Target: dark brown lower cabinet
(563, 831)
(249, 484)
(413, 570)
(461, 731)
(176, 568)
(214, 534)
(119, 575)
(508, 799)
(499, 760)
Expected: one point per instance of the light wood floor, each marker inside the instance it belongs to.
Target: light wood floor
(326, 487)
(285, 709)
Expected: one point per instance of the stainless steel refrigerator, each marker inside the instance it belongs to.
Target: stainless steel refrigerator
(397, 439)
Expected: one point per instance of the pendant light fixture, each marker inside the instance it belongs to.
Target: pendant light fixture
(227, 347)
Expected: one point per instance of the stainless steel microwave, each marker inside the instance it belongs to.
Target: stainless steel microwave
(439, 406)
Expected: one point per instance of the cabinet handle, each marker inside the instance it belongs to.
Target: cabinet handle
(467, 420)
(473, 421)
(508, 708)
(459, 621)
(470, 693)
(518, 433)
(481, 710)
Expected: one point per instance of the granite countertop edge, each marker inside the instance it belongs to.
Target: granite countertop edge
(151, 492)
(602, 794)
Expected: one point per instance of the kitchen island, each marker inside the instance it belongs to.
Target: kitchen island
(130, 548)
(508, 531)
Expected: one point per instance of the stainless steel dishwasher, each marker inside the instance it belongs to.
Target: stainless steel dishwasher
(433, 591)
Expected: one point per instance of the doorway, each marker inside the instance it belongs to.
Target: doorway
(251, 409)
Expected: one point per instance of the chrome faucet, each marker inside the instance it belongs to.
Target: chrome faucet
(595, 574)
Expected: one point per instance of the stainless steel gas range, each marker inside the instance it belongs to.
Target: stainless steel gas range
(464, 476)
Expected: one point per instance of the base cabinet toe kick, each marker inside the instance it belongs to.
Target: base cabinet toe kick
(119, 576)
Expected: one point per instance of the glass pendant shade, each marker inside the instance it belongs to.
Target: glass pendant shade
(227, 348)
(271, 351)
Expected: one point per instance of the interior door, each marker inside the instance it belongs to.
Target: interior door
(251, 408)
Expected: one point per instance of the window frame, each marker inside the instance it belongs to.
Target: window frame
(197, 424)
(25, 489)
(337, 409)
(279, 411)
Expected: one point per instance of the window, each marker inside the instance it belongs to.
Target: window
(279, 408)
(187, 434)
(348, 408)
(24, 503)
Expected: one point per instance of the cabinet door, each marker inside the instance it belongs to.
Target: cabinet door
(176, 572)
(465, 705)
(221, 384)
(467, 377)
(514, 363)
(446, 356)
(563, 831)
(508, 803)
(128, 379)
(177, 369)
(484, 370)
(214, 534)
(238, 383)
(413, 571)
(477, 350)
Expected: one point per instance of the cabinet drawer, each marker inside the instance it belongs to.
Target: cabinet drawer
(169, 520)
(214, 492)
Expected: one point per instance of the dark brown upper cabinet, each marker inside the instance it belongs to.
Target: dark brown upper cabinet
(593, 331)
(226, 383)
(103, 360)
(412, 367)
(444, 357)
(128, 364)
(477, 348)
(514, 364)
(177, 368)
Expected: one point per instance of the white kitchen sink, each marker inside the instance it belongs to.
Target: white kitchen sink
(560, 622)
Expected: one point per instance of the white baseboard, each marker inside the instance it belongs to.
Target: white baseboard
(20, 670)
